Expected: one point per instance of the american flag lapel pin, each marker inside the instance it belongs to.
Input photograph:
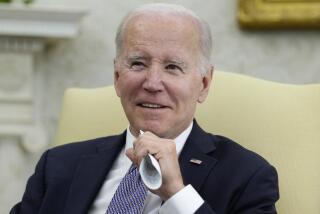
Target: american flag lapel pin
(195, 161)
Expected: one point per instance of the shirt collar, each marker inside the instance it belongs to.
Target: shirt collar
(179, 141)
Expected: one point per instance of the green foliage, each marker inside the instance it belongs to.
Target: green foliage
(9, 1)
(5, 1)
(27, 1)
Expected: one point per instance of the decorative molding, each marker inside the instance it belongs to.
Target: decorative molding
(25, 30)
(31, 137)
(18, 112)
(277, 14)
(21, 44)
(39, 22)
(28, 28)
(16, 73)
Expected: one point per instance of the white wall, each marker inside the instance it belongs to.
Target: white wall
(284, 56)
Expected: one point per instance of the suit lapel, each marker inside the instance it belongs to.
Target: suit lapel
(92, 169)
(90, 175)
(198, 146)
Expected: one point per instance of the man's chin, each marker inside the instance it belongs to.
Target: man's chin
(155, 128)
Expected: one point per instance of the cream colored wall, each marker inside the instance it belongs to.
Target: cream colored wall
(284, 56)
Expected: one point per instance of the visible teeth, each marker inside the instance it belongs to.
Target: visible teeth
(149, 105)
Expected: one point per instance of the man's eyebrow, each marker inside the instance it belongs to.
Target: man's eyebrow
(177, 62)
(136, 56)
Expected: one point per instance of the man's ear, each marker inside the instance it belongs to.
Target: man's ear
(206, 82)
(116, 78)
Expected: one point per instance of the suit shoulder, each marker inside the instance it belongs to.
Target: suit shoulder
(230, 151)
(62, 159)
(85, 147)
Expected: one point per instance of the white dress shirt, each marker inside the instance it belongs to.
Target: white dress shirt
(175, 205)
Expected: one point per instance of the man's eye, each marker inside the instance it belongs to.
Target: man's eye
(173, 68)
(137, 65)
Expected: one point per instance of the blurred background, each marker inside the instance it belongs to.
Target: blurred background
(35, 72)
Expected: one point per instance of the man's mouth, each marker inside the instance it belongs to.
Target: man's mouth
(151, 105)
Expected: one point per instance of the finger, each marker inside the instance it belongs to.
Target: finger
(136, 156)
(149, 142)
(143, 148)
(132, 156)
(149, 135)
(158, 156)
(141, 153)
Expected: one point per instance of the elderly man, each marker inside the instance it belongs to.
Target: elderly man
(162, 71)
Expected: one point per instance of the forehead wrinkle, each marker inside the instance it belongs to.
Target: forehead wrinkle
(137, 31)
(143, 22)
(143, 39)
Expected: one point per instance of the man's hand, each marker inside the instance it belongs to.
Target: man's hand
(164, 150)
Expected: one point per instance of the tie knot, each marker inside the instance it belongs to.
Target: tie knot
(133, 168)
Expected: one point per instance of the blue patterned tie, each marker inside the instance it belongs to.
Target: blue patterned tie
(130, 195)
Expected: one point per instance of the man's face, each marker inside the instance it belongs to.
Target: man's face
(157, 76)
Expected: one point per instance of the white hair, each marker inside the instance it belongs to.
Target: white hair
(163, 8)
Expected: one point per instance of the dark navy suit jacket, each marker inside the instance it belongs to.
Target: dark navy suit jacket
(230, 178)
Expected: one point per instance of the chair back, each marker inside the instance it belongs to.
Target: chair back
(281, 122)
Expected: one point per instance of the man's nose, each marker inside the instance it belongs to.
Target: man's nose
(153, 80)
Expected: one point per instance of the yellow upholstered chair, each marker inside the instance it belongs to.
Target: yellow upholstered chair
(279, 121)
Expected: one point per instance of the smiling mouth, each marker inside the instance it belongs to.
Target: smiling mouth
(151, 105)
